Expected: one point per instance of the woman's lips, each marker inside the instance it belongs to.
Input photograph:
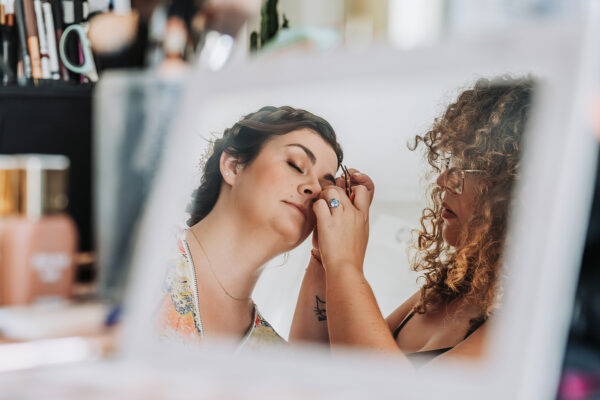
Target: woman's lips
(447, 213)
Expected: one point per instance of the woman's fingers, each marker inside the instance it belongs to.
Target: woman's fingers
(361, 179)
(336, 195)
(321, 210)
(362, 198)
(347, 221)
(357, 178)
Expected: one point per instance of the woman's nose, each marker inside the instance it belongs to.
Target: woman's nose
(441, 180)
(311, 187)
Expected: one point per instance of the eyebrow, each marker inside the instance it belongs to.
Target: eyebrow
(312, 159)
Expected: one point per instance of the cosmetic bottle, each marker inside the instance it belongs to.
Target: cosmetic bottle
(9, 200)
(39, 242)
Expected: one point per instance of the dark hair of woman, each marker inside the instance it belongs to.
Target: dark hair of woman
(481, 130)
(244, 140)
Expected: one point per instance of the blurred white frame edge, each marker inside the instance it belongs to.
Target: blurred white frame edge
(526, 346)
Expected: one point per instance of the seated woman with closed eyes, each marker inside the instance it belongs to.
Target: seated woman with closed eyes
(474, 148)
(254, 202)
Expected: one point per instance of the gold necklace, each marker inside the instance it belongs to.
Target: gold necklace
(213, 272)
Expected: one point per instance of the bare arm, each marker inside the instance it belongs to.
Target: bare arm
(310, 318)
(353, 315)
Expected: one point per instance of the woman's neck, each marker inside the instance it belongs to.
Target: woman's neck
(231, 252)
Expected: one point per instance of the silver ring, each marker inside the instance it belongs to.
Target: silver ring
(334, 203)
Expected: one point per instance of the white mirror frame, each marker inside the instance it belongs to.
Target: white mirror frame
(547, 229)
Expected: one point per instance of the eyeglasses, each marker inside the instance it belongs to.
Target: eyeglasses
(455, 178)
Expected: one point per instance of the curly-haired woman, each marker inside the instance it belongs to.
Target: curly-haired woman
(254, 202)
(474, 148)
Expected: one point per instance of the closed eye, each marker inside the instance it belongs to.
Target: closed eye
(291, 164)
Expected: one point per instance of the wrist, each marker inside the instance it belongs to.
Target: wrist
(344, 270)
(315, 267)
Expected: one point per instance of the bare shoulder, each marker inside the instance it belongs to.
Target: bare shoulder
(398, 315)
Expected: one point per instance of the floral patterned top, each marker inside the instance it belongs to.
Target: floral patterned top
(179, 315)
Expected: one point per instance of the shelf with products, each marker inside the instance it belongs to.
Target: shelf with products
(54, 119)
(45, 40)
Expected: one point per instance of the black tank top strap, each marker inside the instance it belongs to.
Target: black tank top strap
(475, 326)
(422, 357)
(397, 330)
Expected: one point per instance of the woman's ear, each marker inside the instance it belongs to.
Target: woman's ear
(230, 167)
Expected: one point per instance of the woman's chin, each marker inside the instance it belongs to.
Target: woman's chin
(292, 244)
(293, 236)
(449, 236)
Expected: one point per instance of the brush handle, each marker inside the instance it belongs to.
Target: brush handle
(20, 15)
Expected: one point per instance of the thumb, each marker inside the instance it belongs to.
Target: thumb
(362, 200)
(321, 210)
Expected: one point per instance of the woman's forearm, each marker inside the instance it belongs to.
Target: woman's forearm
(353, 315)
(310, 318)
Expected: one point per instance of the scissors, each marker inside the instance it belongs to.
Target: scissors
(87, 67)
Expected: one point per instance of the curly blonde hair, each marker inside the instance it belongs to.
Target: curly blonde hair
(481, 130)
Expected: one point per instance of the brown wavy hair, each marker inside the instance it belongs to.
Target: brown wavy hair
(245, 140)
(481, 130)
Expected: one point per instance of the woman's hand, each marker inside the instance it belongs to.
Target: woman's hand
(356, 178)
(343, 231)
